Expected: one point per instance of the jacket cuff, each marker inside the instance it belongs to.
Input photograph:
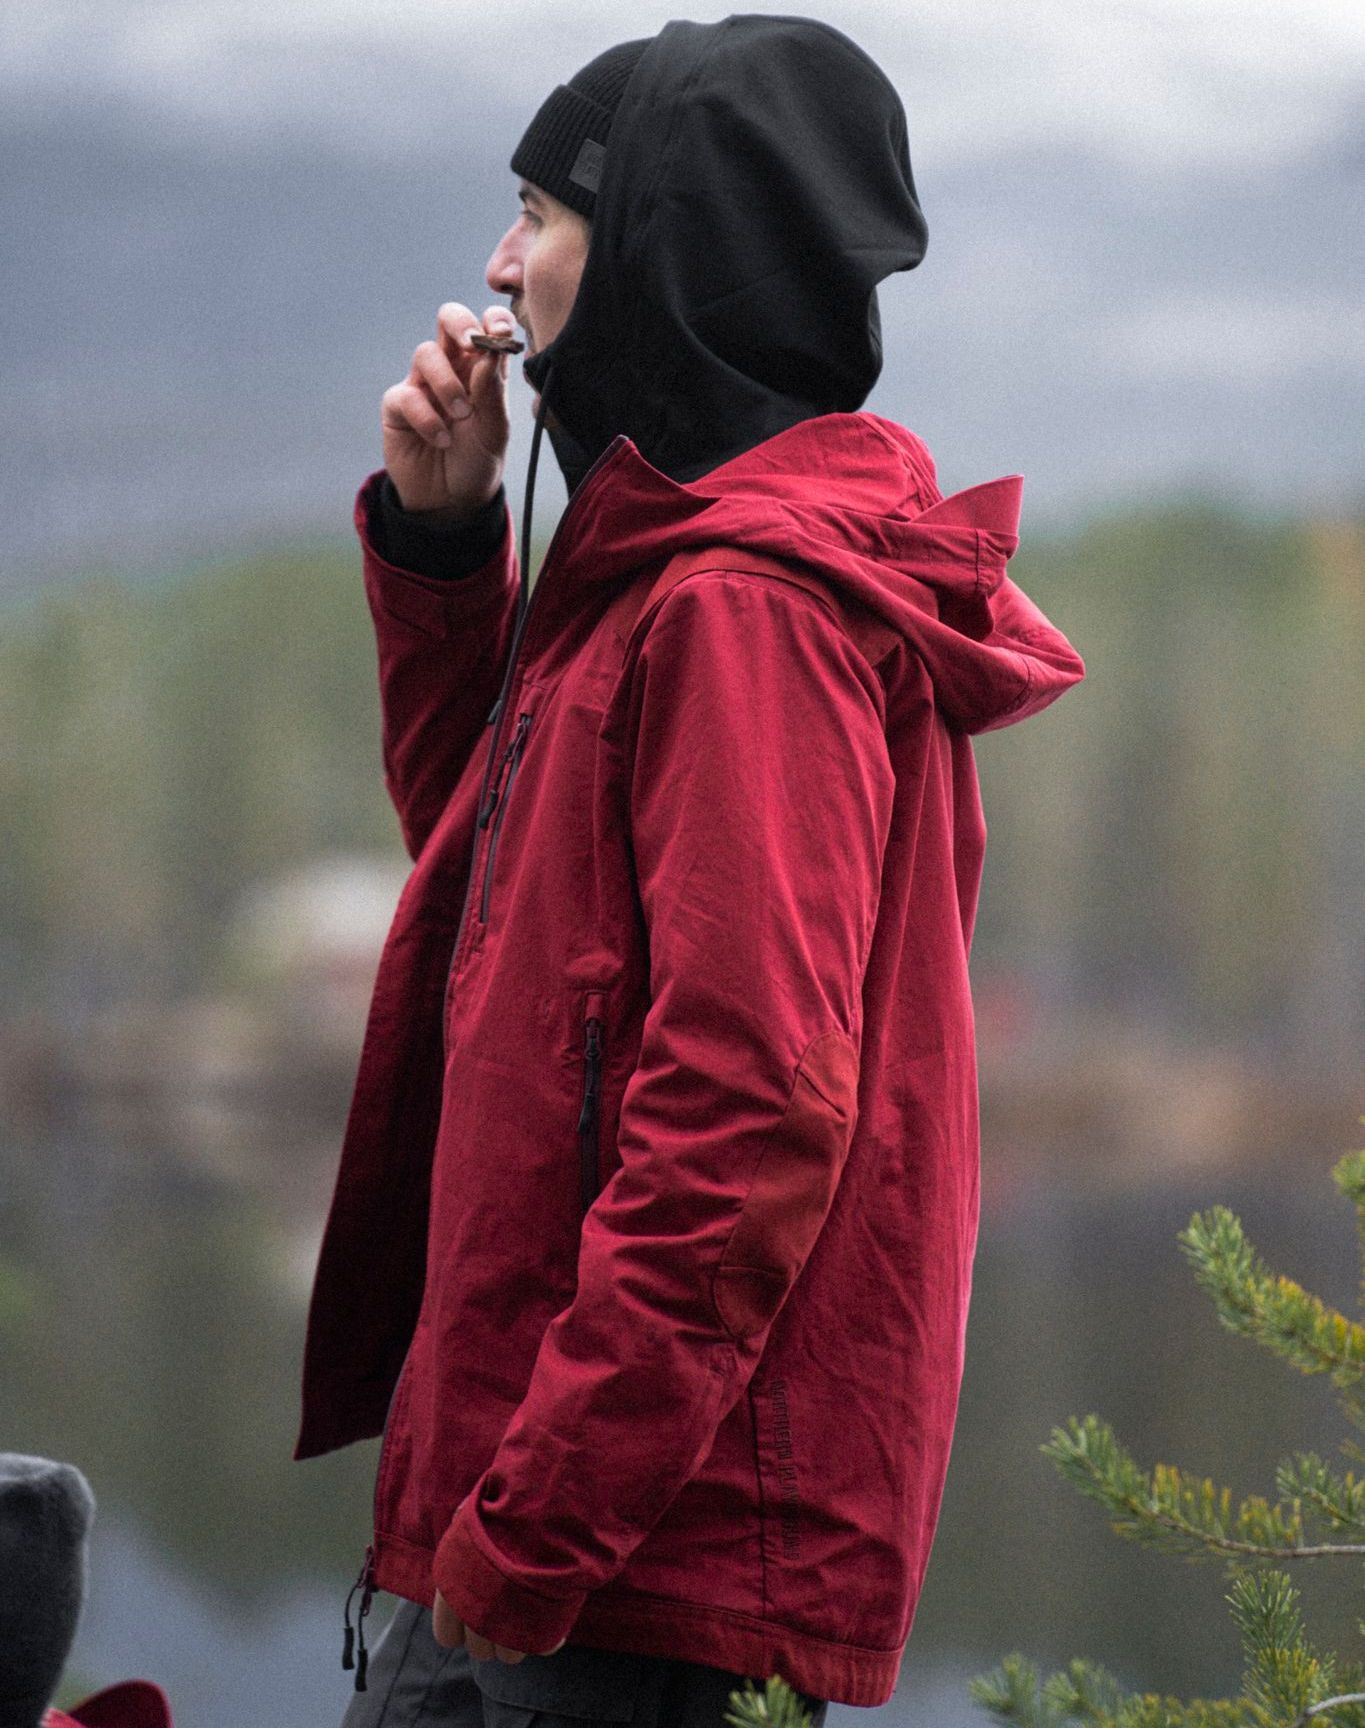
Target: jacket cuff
(485, 1598)
(426, 603)
(404, 539)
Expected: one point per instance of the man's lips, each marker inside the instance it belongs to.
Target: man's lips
(530, 339)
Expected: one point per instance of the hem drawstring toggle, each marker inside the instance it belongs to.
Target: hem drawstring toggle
(353, 1651)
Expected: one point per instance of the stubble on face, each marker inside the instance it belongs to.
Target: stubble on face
(552, 266)
(539, 264)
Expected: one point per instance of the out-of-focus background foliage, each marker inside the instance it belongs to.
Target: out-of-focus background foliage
(228, 227)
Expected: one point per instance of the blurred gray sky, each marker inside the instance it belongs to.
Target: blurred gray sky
(1162, 86)
(228, 223)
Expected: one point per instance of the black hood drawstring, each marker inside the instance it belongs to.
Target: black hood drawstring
(528, 501)
(524, 599)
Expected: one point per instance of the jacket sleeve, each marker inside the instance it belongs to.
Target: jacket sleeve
(759, 807)
(443, 648)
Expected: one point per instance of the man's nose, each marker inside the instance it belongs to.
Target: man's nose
(503, 273)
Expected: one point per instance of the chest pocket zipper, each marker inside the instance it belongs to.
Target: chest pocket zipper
(497, 802)
(589, 1115)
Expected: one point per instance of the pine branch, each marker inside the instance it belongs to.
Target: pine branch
(1149, 1710)
(1175, 1513)
(1336, 1703)
(1338, 1501)
(1085, 1692)
(1286, 1683)
(1084, 1695)
(1012, 1694)
(1275, 1311)
(1284, 1675)
(777, 1706)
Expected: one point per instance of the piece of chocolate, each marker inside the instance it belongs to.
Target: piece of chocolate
(495, 344)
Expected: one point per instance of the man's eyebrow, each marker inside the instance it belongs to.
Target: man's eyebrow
(529, 195)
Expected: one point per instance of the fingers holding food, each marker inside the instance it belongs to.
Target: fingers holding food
(499, 344)
(445, 426)
(432, 367)
(405, 408)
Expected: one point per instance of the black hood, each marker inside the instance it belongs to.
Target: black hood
(756, 188)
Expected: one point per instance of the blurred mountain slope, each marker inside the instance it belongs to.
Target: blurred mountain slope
(196, 324)
(1175, 842)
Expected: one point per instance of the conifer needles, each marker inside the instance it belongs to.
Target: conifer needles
(1319, 1511)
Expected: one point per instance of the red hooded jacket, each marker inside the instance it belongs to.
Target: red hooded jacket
(701, 966)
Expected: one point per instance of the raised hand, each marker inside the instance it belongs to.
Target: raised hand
(445, 426)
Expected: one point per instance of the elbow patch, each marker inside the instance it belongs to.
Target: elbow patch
(792, 1190)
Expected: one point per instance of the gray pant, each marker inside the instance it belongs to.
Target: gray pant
(414, 1683)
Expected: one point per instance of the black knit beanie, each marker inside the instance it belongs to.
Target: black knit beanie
(45, 1514)
(563, 147)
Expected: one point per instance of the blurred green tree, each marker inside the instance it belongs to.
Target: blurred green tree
(1175, 842)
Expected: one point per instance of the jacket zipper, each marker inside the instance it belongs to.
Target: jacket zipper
(495, 714)
(350, 1656)
(510, 762)
(354, 1654)
(592, 1096)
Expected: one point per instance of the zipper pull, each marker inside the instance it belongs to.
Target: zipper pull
(509, 756)
(512, 750)
(486, 814)
(362, 1659)
(365, 1584)
(587, 1118)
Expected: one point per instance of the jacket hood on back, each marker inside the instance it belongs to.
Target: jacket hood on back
(853, 501)
(755, 189)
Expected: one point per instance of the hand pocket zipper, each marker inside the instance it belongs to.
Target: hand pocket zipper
(589, 1114)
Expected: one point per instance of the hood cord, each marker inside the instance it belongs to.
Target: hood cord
(526, 509)
(524, 599)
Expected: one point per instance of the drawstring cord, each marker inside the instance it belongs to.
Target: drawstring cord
(524, 599)
(526, 508)
(351, 1657)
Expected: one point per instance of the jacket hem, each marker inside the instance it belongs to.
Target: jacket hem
(618, 1618)
(317, 1438)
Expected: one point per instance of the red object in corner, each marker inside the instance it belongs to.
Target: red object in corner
(130, 1704)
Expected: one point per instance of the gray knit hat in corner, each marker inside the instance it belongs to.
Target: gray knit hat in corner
(46, 1510)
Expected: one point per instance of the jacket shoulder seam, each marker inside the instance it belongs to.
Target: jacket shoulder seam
(712, 572)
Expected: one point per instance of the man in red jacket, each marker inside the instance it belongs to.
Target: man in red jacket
(651, 1245)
